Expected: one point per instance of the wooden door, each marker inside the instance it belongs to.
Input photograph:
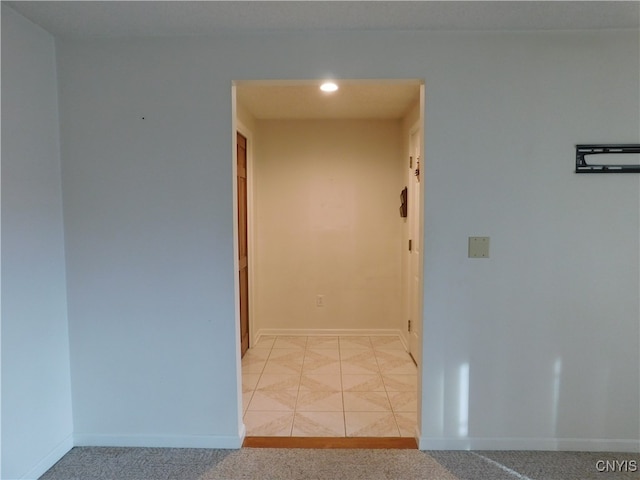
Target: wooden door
(243, 264)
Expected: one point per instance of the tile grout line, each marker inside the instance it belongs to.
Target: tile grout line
(386, 391)
(255, 387)
(295, 407)
(502, 467)
(344, 414)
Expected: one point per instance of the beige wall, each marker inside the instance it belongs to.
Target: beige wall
(326, 222)
(244, 117)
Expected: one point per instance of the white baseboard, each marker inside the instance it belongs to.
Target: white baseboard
(404, 341)
(242, 433)
(330, 332)
(598, 445)
(50, 460)
(160, 441)
(547, 444)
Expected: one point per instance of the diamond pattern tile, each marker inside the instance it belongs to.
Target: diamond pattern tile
(356, 342)
(266, 341)
(395, 362)
(273, 401)
(400, 383)
(290, 342)
(406, 423)
(384, 343)
(315, 382)
(366, 402)
(362, 383)
(404, 401)
(286, 360)
(321, 361)
(253, 365)
(358, 362)
(249, 381)
(318, 424)
(322, 343)
(371, 424)
(333, 386)
(270, 423)
(319, 401)
(278, 381)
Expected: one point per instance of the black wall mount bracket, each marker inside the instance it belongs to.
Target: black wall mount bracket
(583, 150)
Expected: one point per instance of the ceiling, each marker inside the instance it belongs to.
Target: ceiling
(304, 100)
(172, 18)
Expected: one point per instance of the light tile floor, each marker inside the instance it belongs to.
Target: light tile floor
(346, 386)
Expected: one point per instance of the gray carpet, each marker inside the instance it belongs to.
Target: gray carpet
(528, 465)
(101, 463)
(248, 463)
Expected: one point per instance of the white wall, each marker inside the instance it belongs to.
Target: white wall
(147, 197)
(326, 220)
(36, 391)
(548, 326)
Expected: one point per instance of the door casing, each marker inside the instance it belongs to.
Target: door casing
(239, 127)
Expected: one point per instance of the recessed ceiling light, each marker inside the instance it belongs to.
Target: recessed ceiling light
(328, 87)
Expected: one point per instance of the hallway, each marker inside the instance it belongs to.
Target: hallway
(334, 386)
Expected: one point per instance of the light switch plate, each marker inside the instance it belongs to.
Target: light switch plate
(478, 247)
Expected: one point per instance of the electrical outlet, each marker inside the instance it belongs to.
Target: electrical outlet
(319, 300)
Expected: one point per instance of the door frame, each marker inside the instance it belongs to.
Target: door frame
(421, 126)
(238, 126)
(414, 303)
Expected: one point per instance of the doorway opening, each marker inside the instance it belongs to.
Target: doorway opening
(332, 301)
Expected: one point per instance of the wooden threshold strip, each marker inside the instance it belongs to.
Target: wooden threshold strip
(331, 442)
